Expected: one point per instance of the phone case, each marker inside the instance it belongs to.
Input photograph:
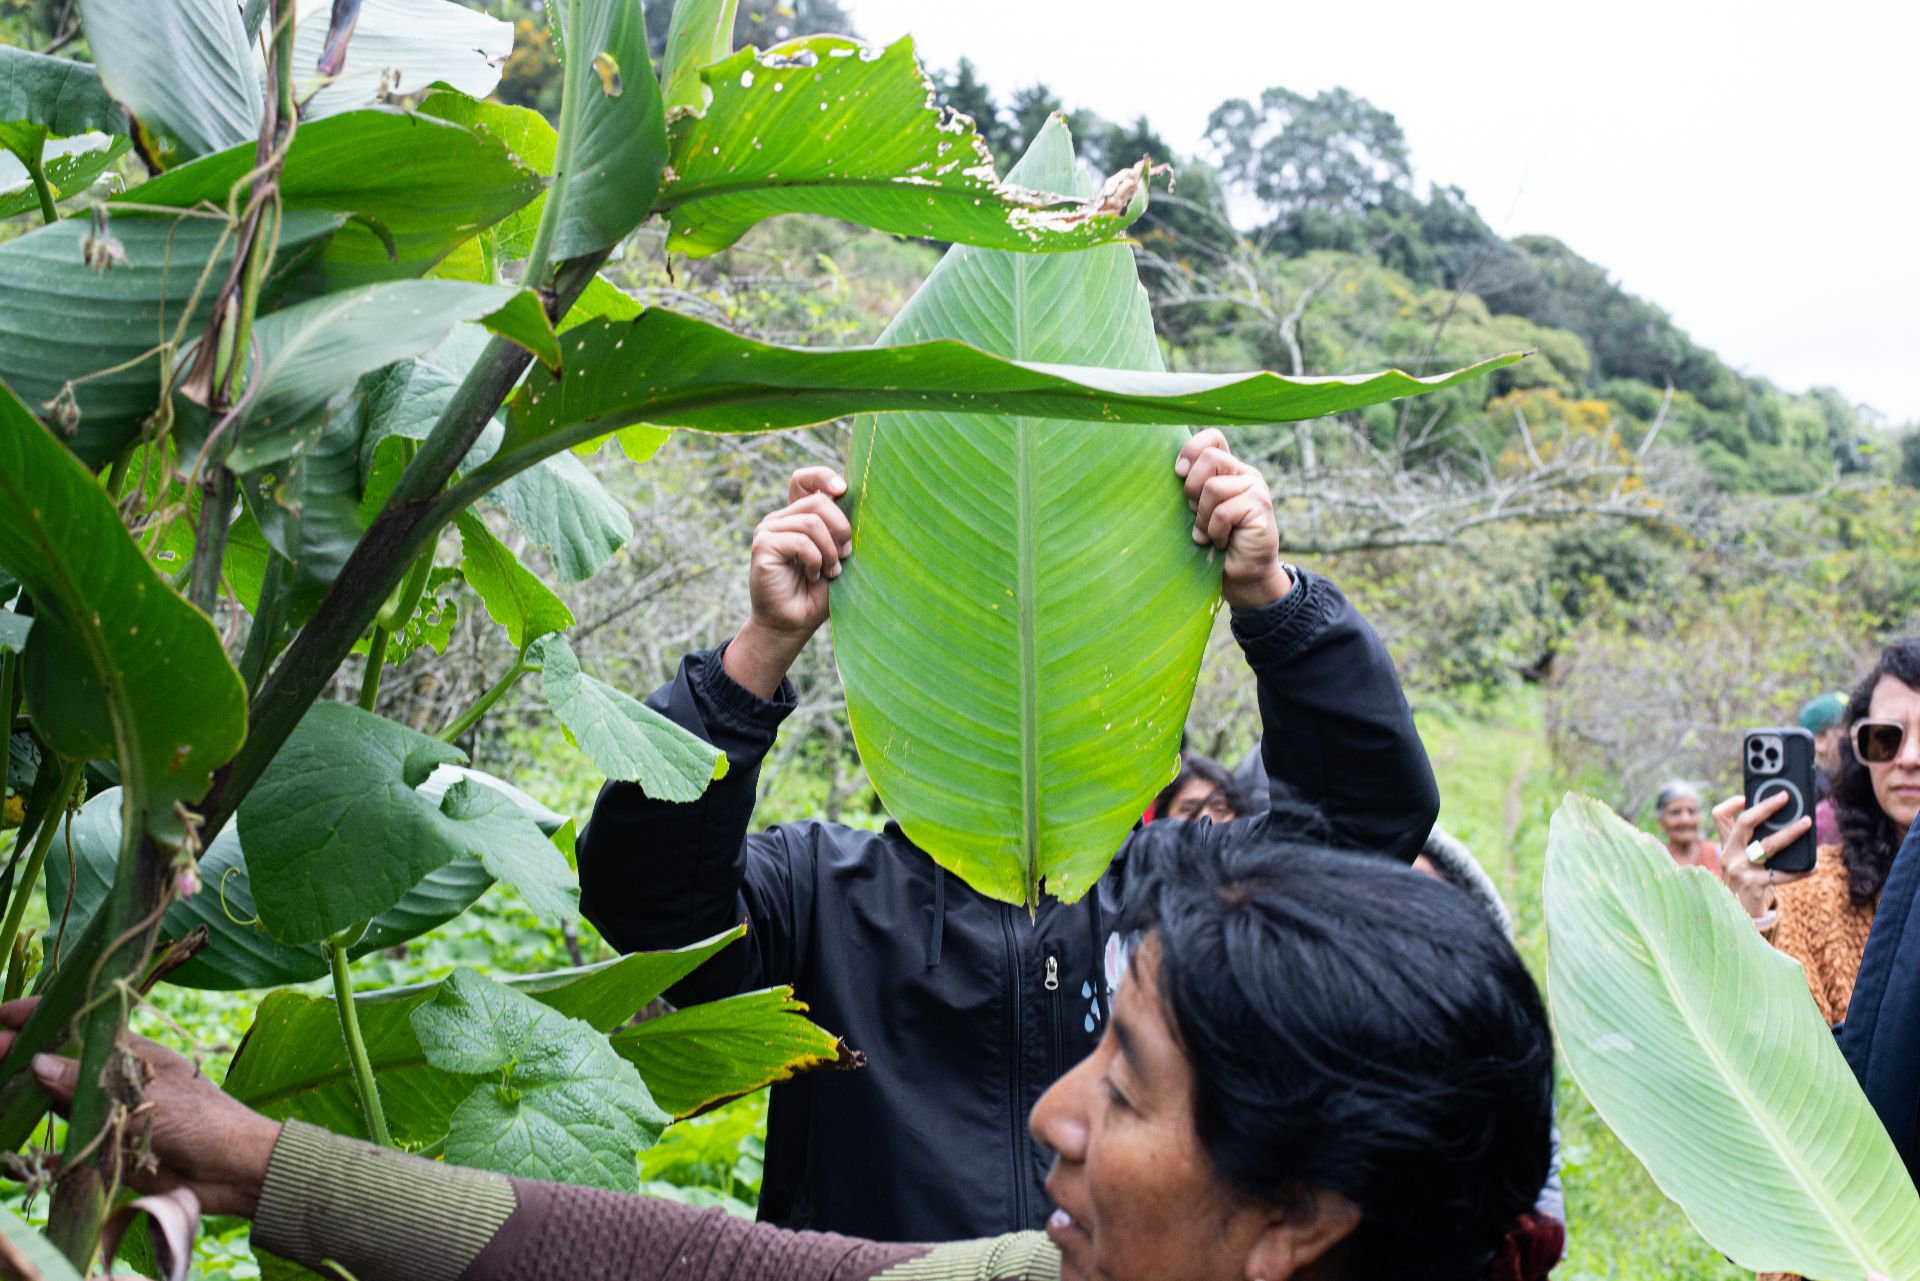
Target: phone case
(1775, 760)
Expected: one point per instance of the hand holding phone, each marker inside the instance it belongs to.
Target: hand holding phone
(1778, 763)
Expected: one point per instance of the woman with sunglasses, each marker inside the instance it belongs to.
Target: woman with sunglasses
(1821, 918)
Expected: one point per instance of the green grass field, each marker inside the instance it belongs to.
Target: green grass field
(1498, 788)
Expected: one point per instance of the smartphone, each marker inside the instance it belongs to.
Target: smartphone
(1774, 761)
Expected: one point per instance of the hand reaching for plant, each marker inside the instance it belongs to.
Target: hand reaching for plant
(199, 1137)
(1233, 510)
(797, 553)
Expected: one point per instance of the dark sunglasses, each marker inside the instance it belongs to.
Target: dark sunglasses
(1878, 742)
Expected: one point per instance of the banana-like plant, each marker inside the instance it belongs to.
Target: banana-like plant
(259, 385)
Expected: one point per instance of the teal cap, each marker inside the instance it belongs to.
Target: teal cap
(1823, 713)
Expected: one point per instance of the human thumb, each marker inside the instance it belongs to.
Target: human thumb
(56, 1075)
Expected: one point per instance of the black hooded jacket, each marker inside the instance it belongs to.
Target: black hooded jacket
(965, 1008)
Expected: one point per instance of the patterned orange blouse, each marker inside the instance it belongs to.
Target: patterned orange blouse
(1821, 928)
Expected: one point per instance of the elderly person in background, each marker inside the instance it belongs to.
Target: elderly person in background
(1678, 810)
(1822, 918)
(1825, 718)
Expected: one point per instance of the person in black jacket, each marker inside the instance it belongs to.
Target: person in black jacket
(965, 1008)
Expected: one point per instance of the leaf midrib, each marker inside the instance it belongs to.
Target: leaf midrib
(1023, 535)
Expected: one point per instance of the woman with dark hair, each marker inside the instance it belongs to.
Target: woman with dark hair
(1822, 919)
(1321, 1065)
(1202, 788)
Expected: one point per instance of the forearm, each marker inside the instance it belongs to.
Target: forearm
(384, 1216)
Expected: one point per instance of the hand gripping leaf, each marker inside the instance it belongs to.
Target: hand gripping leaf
(1702, 1049)
(1021, 624)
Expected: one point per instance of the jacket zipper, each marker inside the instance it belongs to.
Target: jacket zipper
(1058, 1037)
(1023, 1159)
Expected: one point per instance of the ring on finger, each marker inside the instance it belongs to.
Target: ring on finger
(1756, 852)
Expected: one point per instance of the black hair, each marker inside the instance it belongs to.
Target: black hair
(1355, 1028)
(1868, 838)
(1207, 770)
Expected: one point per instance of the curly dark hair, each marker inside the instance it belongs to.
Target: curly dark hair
(1868, 838)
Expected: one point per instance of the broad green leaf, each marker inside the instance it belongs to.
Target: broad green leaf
(131, 670)
(554, 1102)
(826, 125)
(183, 69)
(563, 507)
(240, 953)
(434, 185)
(338, 828)
(1021, 624)
(625, 738)
(292, 1063)
(63, 323)
(68, 168)
(59, 95)
(612, 137)
(1700, 1047)
(666, 369)
(601, 298)
(701, 35)
(309, 511)
(398, 47)
(13, 631)
(404, 402)
(513, 595)
(32, 1248)
(524, 321)
(705, 1054)
(528, 135)
(514, 850)
(307, 354)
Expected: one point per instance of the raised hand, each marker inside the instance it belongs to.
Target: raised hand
(1752, 883)
(797, 553)
(1233, 511)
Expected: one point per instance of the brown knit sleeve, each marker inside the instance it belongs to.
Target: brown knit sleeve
(1820, 928)
(384, 1216)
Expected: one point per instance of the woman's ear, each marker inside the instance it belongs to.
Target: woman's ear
(1300, 1235)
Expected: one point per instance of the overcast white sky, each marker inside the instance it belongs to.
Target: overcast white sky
(1752, 168)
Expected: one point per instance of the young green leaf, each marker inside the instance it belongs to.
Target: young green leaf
(563, 507)
(1699, 1046)
(557, 1104)
(826, 125)
(339, 828)
(514, 596)
(59, 95)
(698, 1056)
(64, 327)
(1056, 599)
(612, 136)
(117, 663)
(625, 738)
(514, 850)
(433, 186)
(182, 69)
(701, 35)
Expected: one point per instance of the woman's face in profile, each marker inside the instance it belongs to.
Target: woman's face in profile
(1137, 1195)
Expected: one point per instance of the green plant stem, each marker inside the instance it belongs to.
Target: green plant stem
(210, 538)
(16, 968)
(42, 188)
(363, 1080)
(8, 662)
(376, 660)
(482, 705)
(117, 473)
(404, 530)
(70, 780)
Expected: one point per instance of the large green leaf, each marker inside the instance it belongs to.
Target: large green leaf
(1699, 1046)
(1021, 624)
(701, 34)
(672, 371)
(239, 953)
(553, 1101)
(338, 828)
(63, 323)
(398, 47)
(613, 141)
(563, 507)
(59, 95)
(31, 1247)
(826, 125)
(309, 511)
(626, 738)
(69, 167)
(292, 1063)
(182, 68)
(433, 185)
(698, 1056)
(528, 135)
(117, 663)
(513, 595)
